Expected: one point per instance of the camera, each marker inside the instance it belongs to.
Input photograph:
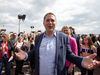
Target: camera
(5, 56)
(33, 31)
(3, 29)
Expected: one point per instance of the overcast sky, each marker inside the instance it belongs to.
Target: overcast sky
(83, 15)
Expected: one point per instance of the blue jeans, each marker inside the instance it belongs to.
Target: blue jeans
(1, 66)
(7, 66)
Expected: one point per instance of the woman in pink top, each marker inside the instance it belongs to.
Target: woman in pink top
(70, 66)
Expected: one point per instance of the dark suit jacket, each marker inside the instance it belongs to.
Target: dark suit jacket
(63, 52)
(77, 41)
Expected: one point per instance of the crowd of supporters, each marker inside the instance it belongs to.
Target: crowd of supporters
(10, 42)
(8, 46)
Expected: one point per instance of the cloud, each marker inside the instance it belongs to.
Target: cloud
(83, 15)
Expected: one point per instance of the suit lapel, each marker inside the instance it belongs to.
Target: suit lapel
(58, 39)
(37, 53)
(39, 42)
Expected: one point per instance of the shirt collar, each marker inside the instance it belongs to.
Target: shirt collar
(52, 34)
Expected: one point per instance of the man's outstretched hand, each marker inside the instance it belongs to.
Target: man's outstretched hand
(89, 63)
(20, 55)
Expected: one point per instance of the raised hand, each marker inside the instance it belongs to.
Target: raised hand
(21, 54)
(89, 63)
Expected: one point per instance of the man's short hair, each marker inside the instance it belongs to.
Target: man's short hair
(49, 13)
(71, 28)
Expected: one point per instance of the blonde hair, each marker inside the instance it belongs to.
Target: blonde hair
(6, 37)
(90, 43)
(19, 37)
(67, 28)
(25, 37)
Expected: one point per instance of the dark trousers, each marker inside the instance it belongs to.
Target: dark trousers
(90, 72)
(7, 66)
(12, 63)
(1, 66)
(32, 63)
(19, 65)
(73, 72)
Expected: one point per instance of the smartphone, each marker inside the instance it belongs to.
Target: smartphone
(33, 31)
(32, 38)
(3, 29)
(39, 30)
(11, 32)
(21, 32)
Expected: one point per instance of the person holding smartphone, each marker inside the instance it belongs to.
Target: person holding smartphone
(7, 52)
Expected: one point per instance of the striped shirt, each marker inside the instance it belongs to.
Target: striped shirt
(85, 51)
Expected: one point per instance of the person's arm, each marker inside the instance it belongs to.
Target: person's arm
(31, 34)
(12, 56)
(15, 44)
(19, 34)
(0, 30)
(70, 69)
(28, 44)
(12, 53)
(12, 50)
(95, 49)
(81, 51)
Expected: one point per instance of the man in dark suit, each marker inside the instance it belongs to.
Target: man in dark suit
(52, 49)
